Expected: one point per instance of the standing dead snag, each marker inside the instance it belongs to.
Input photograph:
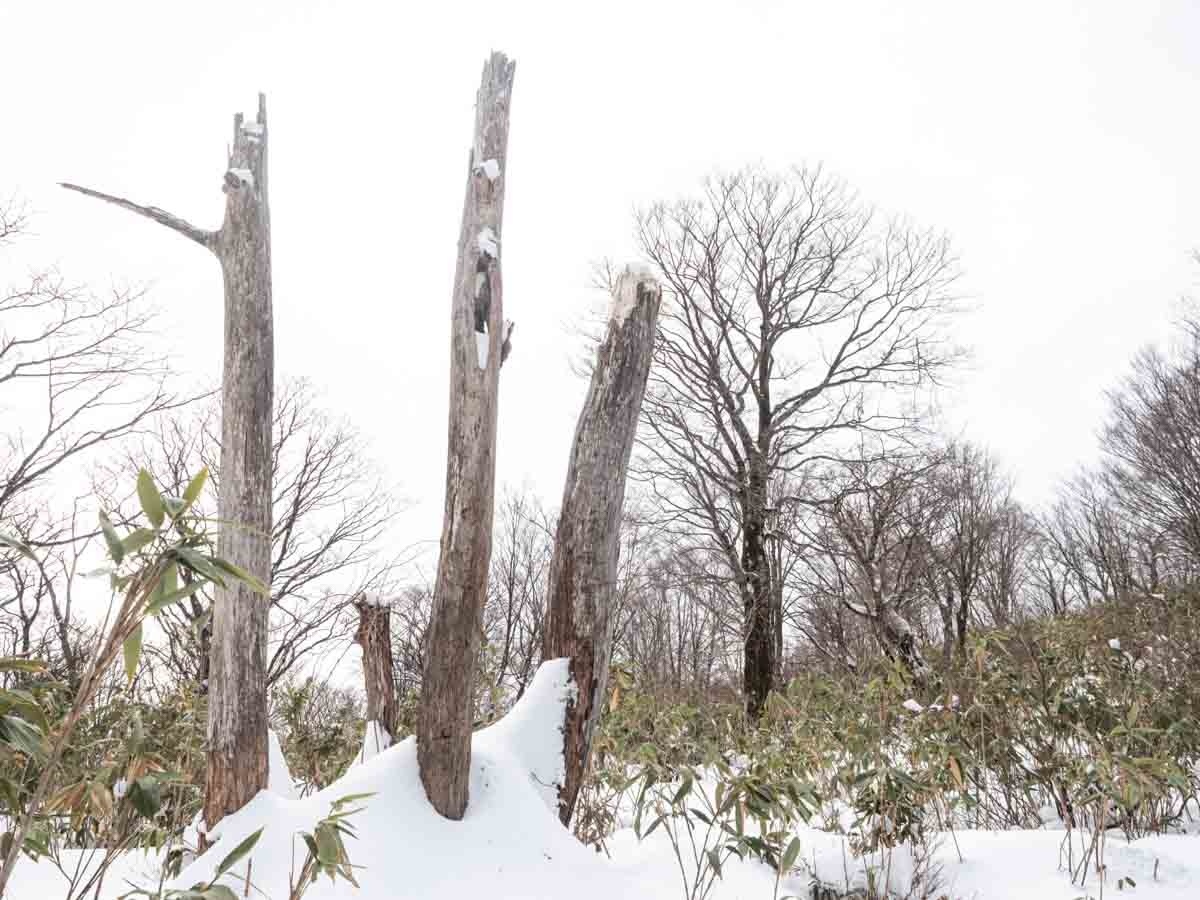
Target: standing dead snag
(583, 570)
(237, 697)
(374, 635)
(478, 332)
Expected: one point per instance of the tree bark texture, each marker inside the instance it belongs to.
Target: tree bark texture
(759, 660)
(374, 635)
(477, 335)
(237, 695)
(583, 569)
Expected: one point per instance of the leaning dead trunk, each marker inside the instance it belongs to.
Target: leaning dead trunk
(374, 635)
(583, 570)
(478, 334)
(237, 695)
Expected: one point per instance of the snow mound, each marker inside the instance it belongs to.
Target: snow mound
(375, 740)
(509, 844)
(279, 776)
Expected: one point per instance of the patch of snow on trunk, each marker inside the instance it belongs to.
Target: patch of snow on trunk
(490, 168)
(489, 244)
(245, 176)
(481, 348)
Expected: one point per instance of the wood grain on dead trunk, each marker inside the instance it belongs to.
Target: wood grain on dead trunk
(477, 334)
(583, 569)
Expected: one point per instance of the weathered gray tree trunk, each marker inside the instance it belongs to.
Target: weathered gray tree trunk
(374, 635)
(583, 569)
(478, 333)
(237, 695)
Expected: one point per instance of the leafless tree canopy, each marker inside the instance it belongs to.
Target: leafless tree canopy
(793, 317)
(78, 377)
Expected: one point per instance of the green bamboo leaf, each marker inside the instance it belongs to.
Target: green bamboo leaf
(22, 736)
(195, 486)
(201, 565)
(714, 860)
(136, 540)
(151, 500)
(145, 796)
(351, 798)
(684, 790)
(238, 852)
(133, 651)
(158, 604)
(116, 549)
(789, 856)
(240, 574)
(24, 703)
(327, 845)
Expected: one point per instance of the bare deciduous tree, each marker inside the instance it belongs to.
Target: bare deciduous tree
(789, 310)
(1152, 444)
(514, 617)
(967, 496)
(76, 380)
(874, 537)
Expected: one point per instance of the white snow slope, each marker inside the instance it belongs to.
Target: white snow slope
(511, 845)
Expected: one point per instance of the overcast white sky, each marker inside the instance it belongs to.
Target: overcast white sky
(1056, 142)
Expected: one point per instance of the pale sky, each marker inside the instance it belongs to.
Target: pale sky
(1056, 143)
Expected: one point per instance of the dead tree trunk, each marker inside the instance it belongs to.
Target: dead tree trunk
(478, 334)
(237, 696)
(374, 635)
(583, 570)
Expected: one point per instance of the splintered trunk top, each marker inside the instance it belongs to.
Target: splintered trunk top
(447, 693)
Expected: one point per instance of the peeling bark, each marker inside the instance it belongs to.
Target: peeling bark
(583, 569)
(238, 756)
(477, 334)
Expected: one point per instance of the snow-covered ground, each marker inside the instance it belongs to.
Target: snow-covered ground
(511, 845)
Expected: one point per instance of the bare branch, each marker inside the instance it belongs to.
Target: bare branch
(161, 216)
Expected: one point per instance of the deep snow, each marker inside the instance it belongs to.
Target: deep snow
(511, 845)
